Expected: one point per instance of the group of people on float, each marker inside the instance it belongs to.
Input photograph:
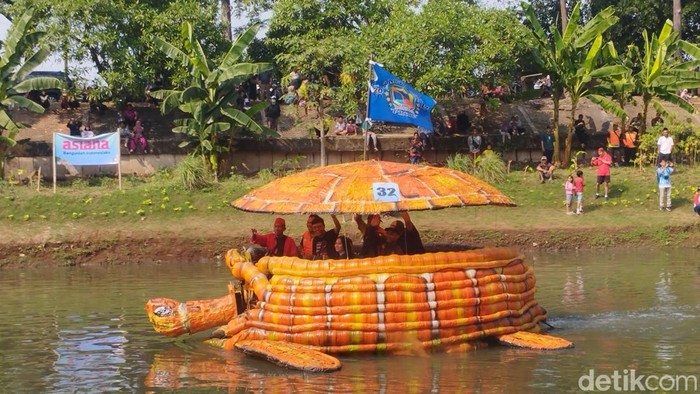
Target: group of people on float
(400, 237)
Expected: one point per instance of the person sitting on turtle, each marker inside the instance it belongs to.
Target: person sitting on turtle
(343, 246)
(324, 241)
(409, 238)
(307, 240)
(391, 243)
(276, 243)
(372, 235)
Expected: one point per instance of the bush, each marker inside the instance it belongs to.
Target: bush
(489, 167)
(193, 174)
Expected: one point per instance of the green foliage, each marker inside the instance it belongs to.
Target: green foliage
(489, 167)
(661, 73)
(193, 174)
(116, 36)
(209, 97)
(18, 58)
(438, 47)
(572, 60)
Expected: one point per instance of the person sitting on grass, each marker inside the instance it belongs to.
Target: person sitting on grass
(340, 128)
(137, 138)
(545, 170)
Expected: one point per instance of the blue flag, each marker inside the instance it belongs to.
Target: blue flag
(393, 100)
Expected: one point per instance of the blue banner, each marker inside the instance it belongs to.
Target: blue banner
(393, 100)
(98, 150)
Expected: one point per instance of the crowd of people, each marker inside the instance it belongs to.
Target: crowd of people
(317, 243)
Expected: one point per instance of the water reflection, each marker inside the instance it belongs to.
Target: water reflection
(84, 329)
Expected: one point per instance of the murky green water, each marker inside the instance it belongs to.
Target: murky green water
(85, 330)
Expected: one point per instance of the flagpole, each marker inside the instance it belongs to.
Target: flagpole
(366, 122)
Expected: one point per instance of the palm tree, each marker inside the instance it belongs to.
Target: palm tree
(571, 60)
(210, 97)
(662, 74)
(19, 57)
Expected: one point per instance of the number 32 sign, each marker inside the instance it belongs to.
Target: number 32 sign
(385, 191)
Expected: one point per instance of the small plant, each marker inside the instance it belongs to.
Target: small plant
(193, 173)
(490, 168)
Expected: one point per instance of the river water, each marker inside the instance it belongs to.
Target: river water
(84, 329)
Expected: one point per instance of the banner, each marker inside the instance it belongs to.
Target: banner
(98, 150)
(393, 100)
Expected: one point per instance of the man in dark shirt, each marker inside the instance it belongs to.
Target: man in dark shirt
(324, 241)
(409, 238)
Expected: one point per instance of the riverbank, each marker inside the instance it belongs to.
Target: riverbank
(91, 222)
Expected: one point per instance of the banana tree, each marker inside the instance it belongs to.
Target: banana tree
(209, 99)
(619, 86)
(662, 73)
(571, 59)
(19, 57)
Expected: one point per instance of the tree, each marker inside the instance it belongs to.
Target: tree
(18, 58)
(637, 15)
(662, 74)
(116, 36)
(210, 95)
(572, 62)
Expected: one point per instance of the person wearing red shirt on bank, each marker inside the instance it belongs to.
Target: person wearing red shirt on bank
(276, 243)
(603, 161)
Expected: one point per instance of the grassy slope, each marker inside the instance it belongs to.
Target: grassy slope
(159, 212)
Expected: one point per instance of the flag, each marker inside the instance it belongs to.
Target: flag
(393, 100)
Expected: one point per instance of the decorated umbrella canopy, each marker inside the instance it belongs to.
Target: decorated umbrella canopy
(371, 187)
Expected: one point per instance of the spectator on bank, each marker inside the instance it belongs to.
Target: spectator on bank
(415, 152)
(87, 132)
(696, 201)
(44, 100)
(685, 95)
(545, 170)
(581, 131)
(123, 133)
(603, 161)
(370, 135)
(74, 125)
(428, 137)
(665, 145)
(637, 121)
(578, 188)
(137, 138)
(547, 143)
(629, 144)
(506, 131)
(272, 114)
(613, 140)
(474, 142)
(341, 127)
(663, 174)
(463, 124)
(657, 120)
(516, 125)
(130, 115)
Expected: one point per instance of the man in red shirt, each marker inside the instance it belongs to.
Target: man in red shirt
(603, 161)
(276, 243)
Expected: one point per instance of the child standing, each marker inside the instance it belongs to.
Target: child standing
(569, 192)
(578, 188)
(696, 201)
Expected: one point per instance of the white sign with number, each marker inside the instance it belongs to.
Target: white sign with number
(385, 191)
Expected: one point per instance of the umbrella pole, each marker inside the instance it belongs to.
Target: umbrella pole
(366, 122)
